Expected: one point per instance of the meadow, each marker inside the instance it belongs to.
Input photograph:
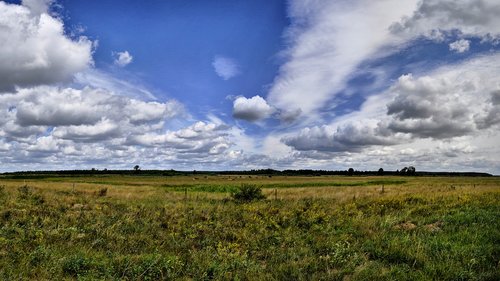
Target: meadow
(112, 227)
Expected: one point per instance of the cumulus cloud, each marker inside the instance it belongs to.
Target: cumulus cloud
(57, 126)
(102, 130)
(199, 138)
(453, 101)
(37, 7)
(451, 112)
(349, 137)
(252, 109)
(85, 114)
(122, 59)
(289, 116)
(432, 107)
(226, 68)
(435, 18)
(34, 49)
(460, 46)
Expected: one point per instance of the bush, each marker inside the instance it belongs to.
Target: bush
(102, 192)
(24, 192)
(76, 265)
(3, 193)
(247, 193)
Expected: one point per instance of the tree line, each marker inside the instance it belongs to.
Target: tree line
(137, 171)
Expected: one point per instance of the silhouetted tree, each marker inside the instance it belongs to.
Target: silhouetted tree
(350, 172)
(411, 170)
(380, 171)
(137, 168)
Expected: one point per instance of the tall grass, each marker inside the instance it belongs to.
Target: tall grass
(418, 230)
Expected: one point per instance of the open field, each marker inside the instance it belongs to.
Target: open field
(308, 228)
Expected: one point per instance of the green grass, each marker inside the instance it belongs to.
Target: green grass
(416, 229)
(225, 188)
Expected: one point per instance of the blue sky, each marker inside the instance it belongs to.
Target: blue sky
(175, 43)
(213, 85)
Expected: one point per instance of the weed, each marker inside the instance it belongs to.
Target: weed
(248, 193)
(76, 265)
(102, 192)
(24, 192)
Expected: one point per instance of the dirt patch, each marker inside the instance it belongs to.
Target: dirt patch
(406, 226)
(434, 227)
(78, 206)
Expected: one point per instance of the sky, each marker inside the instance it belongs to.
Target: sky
(239, 85)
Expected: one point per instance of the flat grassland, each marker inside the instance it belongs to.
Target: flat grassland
(308, 228)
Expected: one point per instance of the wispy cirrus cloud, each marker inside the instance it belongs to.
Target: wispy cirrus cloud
(327, 40)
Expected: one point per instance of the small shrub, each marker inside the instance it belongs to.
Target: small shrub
(102, 192)
(38, 256)
(247, 193)
(3, 193)
(76, 265)
(24, 192)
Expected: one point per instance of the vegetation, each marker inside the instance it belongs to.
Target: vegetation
(158, 228)
(248, 193)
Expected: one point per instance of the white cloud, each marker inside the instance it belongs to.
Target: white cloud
(127, 86)
(289, 116)
(198, 139)
(435, 18)
(252, 109)
(451, 101)
(37, 7)
(122, 59)
(328, 39)
(352, 137)
(77, 113)
(460, 46)
(102, 130)
(225, 67)
(57, 127)
(35, 49)
(444, 120)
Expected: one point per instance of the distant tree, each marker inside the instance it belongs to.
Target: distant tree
(380, 171)
(350, 172)
(137, 168)
(411, 170)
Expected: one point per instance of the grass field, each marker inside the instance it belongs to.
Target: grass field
(308, 228)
